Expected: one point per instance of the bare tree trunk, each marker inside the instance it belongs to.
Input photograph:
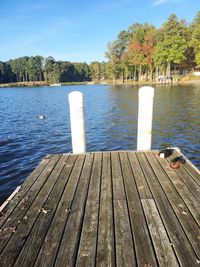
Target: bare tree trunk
(147, 74)
(134, 77)
(175, 69)
(157, 73)
(151, 73)
(140, 72)
(168, 69)
(126, 76)
(45, 76)
(123, 76)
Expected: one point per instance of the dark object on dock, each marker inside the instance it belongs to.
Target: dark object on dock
(120, 208)
(177, 162)
(165, 153)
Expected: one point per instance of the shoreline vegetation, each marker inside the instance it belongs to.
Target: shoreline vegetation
(195, 80)
(36, 84)
(142, 54)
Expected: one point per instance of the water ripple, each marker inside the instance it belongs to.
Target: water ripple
(111, 124)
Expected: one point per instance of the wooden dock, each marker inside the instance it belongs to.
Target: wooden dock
(104, 209)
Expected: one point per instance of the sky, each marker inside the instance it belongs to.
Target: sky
(78, 30)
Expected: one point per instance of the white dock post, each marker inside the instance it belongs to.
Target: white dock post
(77, 122)
(145, 116)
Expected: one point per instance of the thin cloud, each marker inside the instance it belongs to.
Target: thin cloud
(159, 2)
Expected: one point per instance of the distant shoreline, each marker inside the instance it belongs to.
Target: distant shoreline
(190, 81)
(40, 84)
(36, 84)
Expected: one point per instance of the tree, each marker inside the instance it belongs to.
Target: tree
(149, 47)
(81, 72)
(113, 55)
(135, 57)
(194, 33)
(37, 68)
(16, 67)
(2, 72)
(32, 70)
(56, 72)
(104, 74)
(141, 48)
(38, 61)
(116, 55)
(48, 68)
(171, 44)
(95, 70)
(67, 71)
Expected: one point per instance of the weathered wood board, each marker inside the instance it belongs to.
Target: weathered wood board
(121, 208)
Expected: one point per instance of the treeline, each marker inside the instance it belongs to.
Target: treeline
(140, 53)
(144, 53)
(38, 68)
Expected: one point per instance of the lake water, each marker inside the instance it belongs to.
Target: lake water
(111, 124)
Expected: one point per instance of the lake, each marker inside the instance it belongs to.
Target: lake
(111, 124)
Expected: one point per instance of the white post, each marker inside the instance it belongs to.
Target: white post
(77, 122)
(145, 115)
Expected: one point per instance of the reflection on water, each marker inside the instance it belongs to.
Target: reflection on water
(111, 124)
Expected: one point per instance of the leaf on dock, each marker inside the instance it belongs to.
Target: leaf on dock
(8, 230)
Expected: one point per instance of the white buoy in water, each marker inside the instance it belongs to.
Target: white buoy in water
(41, 117)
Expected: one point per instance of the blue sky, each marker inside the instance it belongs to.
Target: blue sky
(78, 30)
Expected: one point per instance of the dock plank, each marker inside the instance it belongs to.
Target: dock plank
(106, 245)
(25, 225)
(140, 180)
(20, 214)
(185, 254)
(88, 241)
(187, 221)
(33, 244)
(121, 208)
(144, 250)
(190, 168)
(125, 253)
(183, 190)
(192, 185)
(162, 244)
(24, 189)
(68, 248)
